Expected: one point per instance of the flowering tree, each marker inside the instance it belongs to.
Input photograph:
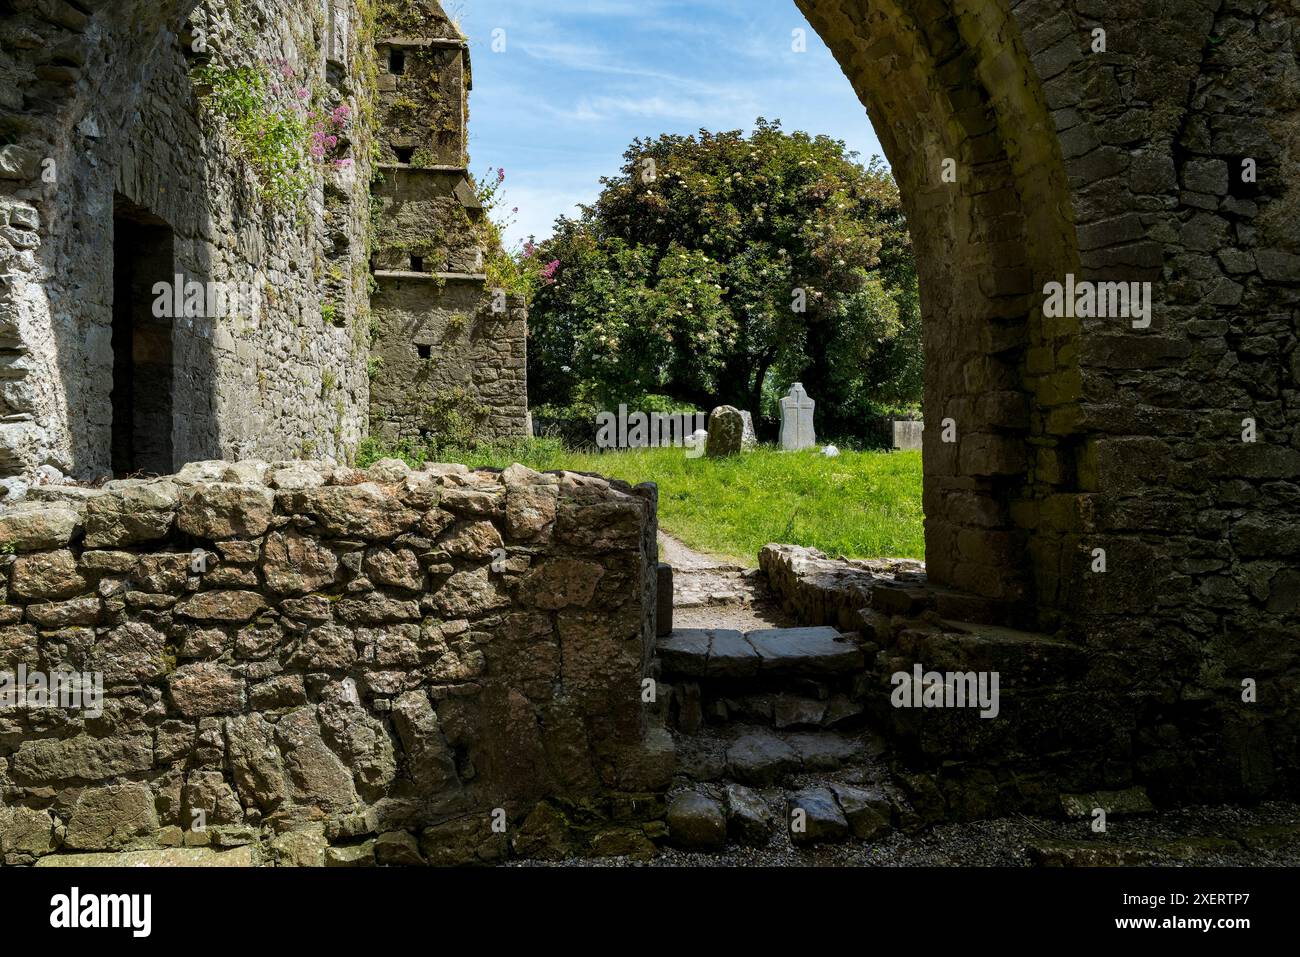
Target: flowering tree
(720, 267)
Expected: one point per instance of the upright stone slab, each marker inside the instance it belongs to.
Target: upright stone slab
(797, 420)
(748, 438)
(907, 434)
(726, 432)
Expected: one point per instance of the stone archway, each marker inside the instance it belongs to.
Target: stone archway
(953, 90)
(1105, 483)
(1124, 162)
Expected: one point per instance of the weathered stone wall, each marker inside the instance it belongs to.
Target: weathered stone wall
(106, 104)
(377, 659)
(451, 363)
(1117, 164)
(449, 352)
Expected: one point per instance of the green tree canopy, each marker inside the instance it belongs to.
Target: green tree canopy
(718, 268)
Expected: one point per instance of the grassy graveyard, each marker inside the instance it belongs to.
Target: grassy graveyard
(856, 504)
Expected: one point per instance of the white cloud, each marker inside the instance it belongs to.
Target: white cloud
(581, 79)
(599, 109)
(540, 203)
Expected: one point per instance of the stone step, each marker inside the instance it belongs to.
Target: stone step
(826, 812)
(244, 856)
(763, 758)
(722, 653)
(803, 704)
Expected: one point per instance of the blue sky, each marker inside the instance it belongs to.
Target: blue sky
(580, 79)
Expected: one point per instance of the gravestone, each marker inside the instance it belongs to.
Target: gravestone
(907, 434)
(797, 420)
(749, 438)
(726, 432)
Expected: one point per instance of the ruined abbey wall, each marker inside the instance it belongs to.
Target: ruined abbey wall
(1109, 142)
(106, 131)
(297, 655)
(130, 157)
(449, 347)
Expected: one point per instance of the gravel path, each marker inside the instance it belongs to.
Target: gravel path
(1225, 836)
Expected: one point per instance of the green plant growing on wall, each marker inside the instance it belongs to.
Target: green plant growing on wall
(456, 324)
(400, 16)
(452, 419)
(424, 156)
(517, 272)
(273, 141)
(340, 410)
(276, 130)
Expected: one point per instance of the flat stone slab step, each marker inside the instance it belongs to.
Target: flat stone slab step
(776, 652)
(244, 856)
(708, 818)
(762, 758)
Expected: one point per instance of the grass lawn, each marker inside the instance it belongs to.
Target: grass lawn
(857, 504)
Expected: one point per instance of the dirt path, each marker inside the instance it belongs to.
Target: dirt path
(682, 557)
(710, 592)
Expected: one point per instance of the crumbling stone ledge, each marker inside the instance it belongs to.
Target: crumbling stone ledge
(338, 666)
(824, 591)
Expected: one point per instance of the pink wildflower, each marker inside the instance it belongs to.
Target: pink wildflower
(303, 93)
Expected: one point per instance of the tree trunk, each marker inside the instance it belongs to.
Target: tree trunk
(756, 394)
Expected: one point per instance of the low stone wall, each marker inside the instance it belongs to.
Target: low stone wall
(1064, 722)
(818, 590)
(333, 665)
